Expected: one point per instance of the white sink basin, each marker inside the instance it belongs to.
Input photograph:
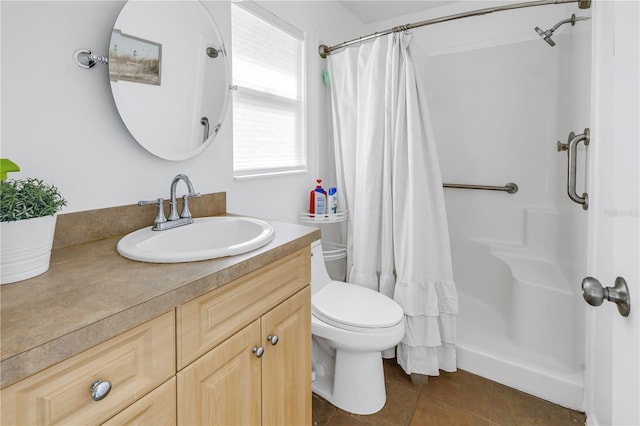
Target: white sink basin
(206, 238)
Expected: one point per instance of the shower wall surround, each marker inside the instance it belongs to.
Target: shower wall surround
(500, 98)
(59, 121)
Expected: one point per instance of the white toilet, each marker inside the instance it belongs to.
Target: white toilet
(351, 326)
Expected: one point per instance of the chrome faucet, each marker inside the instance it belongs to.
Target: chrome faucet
(161, 223)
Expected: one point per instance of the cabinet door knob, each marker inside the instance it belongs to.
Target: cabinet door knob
(273, 339)
(258, 350)
(99, 389)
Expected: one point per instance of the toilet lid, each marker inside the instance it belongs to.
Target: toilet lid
(343, 304)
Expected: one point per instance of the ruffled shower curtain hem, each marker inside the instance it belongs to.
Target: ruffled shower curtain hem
(425, 359)
(429, 344)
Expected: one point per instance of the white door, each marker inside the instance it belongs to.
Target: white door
(612, 385)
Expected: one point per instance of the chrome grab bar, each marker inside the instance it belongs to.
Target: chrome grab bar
(205, 122)
(510, 188)
(572, 150)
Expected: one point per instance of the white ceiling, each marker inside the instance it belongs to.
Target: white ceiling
(378, 10)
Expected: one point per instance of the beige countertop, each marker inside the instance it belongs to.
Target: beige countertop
(91, 294)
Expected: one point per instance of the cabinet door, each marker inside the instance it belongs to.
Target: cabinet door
(223, 386)
(286, 366)
(157, 409)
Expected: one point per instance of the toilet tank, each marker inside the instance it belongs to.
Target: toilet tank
(319, 275)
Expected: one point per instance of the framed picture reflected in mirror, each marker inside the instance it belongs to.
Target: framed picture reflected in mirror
(134, 59)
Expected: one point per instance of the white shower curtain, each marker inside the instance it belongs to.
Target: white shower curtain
(390, 181)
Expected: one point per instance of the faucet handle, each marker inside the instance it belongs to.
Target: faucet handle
(160, 215)
(185, 205)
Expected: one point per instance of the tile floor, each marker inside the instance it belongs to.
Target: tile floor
(459, 398)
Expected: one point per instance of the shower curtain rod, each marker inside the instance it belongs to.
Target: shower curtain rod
(325, 50)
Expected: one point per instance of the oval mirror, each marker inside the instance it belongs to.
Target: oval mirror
(169, 76)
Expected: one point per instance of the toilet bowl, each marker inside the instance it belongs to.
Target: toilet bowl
(351, 326)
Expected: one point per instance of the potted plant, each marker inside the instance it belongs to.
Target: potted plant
(28, 209)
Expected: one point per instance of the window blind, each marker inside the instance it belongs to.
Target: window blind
(268, 112)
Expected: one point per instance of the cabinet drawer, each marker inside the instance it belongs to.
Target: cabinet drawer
(134, 362)
(208, 320)
(156, 409)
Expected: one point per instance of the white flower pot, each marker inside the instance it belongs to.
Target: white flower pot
(26, 248)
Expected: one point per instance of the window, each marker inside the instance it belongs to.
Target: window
(268, 103)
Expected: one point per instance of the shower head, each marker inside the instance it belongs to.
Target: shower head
(546, 35)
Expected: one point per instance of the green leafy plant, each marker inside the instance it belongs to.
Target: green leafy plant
(28, 198)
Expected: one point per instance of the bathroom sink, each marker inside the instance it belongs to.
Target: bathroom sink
(206, 238)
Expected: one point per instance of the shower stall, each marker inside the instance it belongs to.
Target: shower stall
(506, 108)
(499, 111)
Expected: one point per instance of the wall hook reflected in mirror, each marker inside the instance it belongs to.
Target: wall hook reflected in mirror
(85, 59)
(212, 52)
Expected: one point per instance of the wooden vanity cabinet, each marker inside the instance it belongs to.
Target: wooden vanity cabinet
(231, 369)
(249, 376)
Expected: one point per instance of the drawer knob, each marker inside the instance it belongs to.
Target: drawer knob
(259, 351)
(99, 389)
(273, 339)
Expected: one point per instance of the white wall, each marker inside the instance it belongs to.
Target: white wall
(59, 121)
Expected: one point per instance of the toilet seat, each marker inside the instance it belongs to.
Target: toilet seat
(352, 307)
